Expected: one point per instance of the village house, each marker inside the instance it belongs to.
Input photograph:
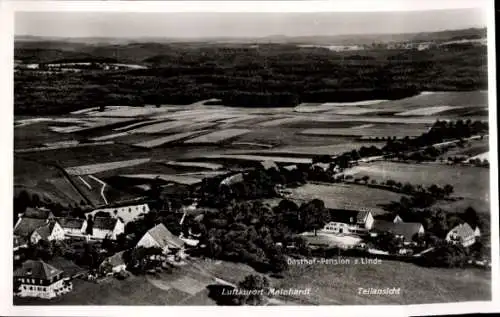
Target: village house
(397, 219)
(159, 236)
(115, 263)
(126, 213)
(73, 227)
(348, 222)
(19, 243)
(267, 165)
(406, 231)
(39, 279)
(106, 227)
(462, 234)
(233, 179)
(51, 231)
(37, 213)
(26, 226)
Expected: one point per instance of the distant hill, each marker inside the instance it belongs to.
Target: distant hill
(282, 39)
(132, 50)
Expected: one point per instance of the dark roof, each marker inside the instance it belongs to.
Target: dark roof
(164, 237)
(105, 223)
(347, 216)
(45, 230)
(19, 241)
(37, 269)
(37, 213)
(464, 231)
(26, 226)
(71, 223)
(116, 259)
(406, 229)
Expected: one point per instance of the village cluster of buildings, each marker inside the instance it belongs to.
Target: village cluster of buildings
(362, 223)
(39, 279)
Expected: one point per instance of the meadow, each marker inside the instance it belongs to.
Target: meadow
(346, 196)
(339, 284)
(468, 182)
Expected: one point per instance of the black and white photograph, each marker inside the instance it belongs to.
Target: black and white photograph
(251, 158)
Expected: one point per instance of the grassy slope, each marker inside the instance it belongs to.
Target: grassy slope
(338, 284)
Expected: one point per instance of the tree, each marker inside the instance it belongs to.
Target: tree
(471, 217)
(278, 262)
(365, 179)
(255, 287)
(314, 215)
(90, 225)
(35, 200)
(141, 259)
(448, 189)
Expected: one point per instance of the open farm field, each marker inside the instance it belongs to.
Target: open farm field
(126, 111)
(426, 111)
(37, 134)
(168, 139)
(310, 151)
(470, 149)
(87, 155)
(346, 196)
(256, 158)
(44, 180)
(97, 168)
(468, 182)
(338, 284)
(280, 136)
(373, 130)
(315, 107)
(478, 98)
(200, 165)
(217, 136)
(159, 127)
(169, 178)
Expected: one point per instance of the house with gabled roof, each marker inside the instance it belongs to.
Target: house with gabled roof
(160, 237)
(125, 212)
(73, 227)
(405, 231)
(48, 232)
(26, 226)
(462, 234)
(38, 213)
(39, 279)
(115, 262)
(106, 227)
(19, 243)
(344, 221)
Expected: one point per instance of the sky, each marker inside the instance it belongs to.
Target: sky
(199, 25)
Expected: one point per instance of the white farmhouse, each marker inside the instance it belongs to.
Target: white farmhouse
(126, 213)
(39, 279)
(160, 237)
(104, 227)
(49, 232)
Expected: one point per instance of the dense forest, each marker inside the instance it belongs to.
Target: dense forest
(277, 75)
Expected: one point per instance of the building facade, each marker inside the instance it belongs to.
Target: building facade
(39, 279)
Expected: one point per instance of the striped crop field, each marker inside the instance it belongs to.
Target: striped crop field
(217, 136)
(101, 167)
(160, 127)
(260, 158)
(167, 139)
